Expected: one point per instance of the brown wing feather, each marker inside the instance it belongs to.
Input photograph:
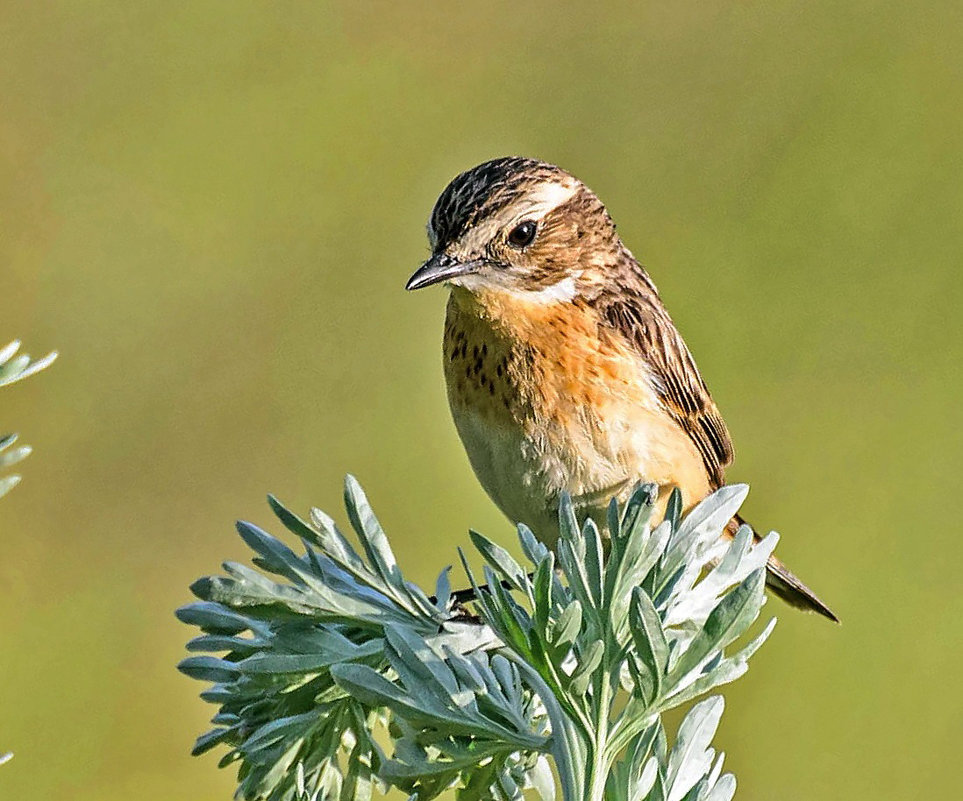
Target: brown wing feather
(641, 318)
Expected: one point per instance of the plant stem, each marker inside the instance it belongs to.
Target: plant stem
(598, 772)
(598, 776)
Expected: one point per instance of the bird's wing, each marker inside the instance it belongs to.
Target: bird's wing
(643, 321)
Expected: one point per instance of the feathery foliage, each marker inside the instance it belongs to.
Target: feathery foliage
(335, 677)
(15, 367)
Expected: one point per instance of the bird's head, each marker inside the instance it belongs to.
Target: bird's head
(519, 226)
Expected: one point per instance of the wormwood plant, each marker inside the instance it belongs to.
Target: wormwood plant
(14, 368)
(337, 677)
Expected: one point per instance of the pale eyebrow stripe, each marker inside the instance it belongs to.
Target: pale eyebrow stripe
(540, 201)
(546, 198)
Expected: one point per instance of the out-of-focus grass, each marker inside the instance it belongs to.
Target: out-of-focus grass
(211, 211)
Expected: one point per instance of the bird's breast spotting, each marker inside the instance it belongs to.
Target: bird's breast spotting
(545, 401)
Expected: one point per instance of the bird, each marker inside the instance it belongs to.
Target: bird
(564, 371)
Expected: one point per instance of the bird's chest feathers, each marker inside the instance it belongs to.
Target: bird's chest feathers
(544, 400)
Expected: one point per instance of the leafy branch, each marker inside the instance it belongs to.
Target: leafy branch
(15, 367)
(565, 663)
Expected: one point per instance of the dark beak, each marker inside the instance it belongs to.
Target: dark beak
(441, 267)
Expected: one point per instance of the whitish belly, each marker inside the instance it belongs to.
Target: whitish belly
(526, 473)
(520, 481)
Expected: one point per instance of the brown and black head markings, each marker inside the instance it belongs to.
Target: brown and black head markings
(524, 226)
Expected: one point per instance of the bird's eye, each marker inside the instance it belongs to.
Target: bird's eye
(522, 235)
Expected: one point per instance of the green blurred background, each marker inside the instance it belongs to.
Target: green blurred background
(211, 210)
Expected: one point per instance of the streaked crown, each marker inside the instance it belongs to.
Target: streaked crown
(477, 192)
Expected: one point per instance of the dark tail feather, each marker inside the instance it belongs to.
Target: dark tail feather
(784, 583)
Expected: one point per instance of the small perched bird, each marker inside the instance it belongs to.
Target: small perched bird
(565, 372)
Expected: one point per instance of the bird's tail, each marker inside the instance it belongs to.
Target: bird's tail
(784, 583)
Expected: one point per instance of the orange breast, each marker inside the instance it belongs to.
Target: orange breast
(505, 356)
(550, 401)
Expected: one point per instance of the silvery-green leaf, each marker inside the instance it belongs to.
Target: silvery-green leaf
(587, 664)
(569, 528)
(728, 670)
(423, 664)
(571, 558)
(15, 368)
(8, 350)
(646, 779)
(638, 509)
(278, 771)
(698, 791)
(700, 529)
(691, 758)
(508, 618)
(641, 551)
(276, 730)
(711, 515)
(14, 455)
(594, 561)
(673, 509)
(501, 561)
(733, 615)
(207, 741)
(7, 483)
(369, 687)
(301, 663)
(294, 523)
(208, 668)
(724, 789)
(275, 555)
(716, 771)
(369, 531)
(534, 550)
(739, 560)
(214, 618)
(568, 625)
(650, 642)
(467, 671)
(542, 586)
(334, 544)
(215, 643)
(443, 588)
